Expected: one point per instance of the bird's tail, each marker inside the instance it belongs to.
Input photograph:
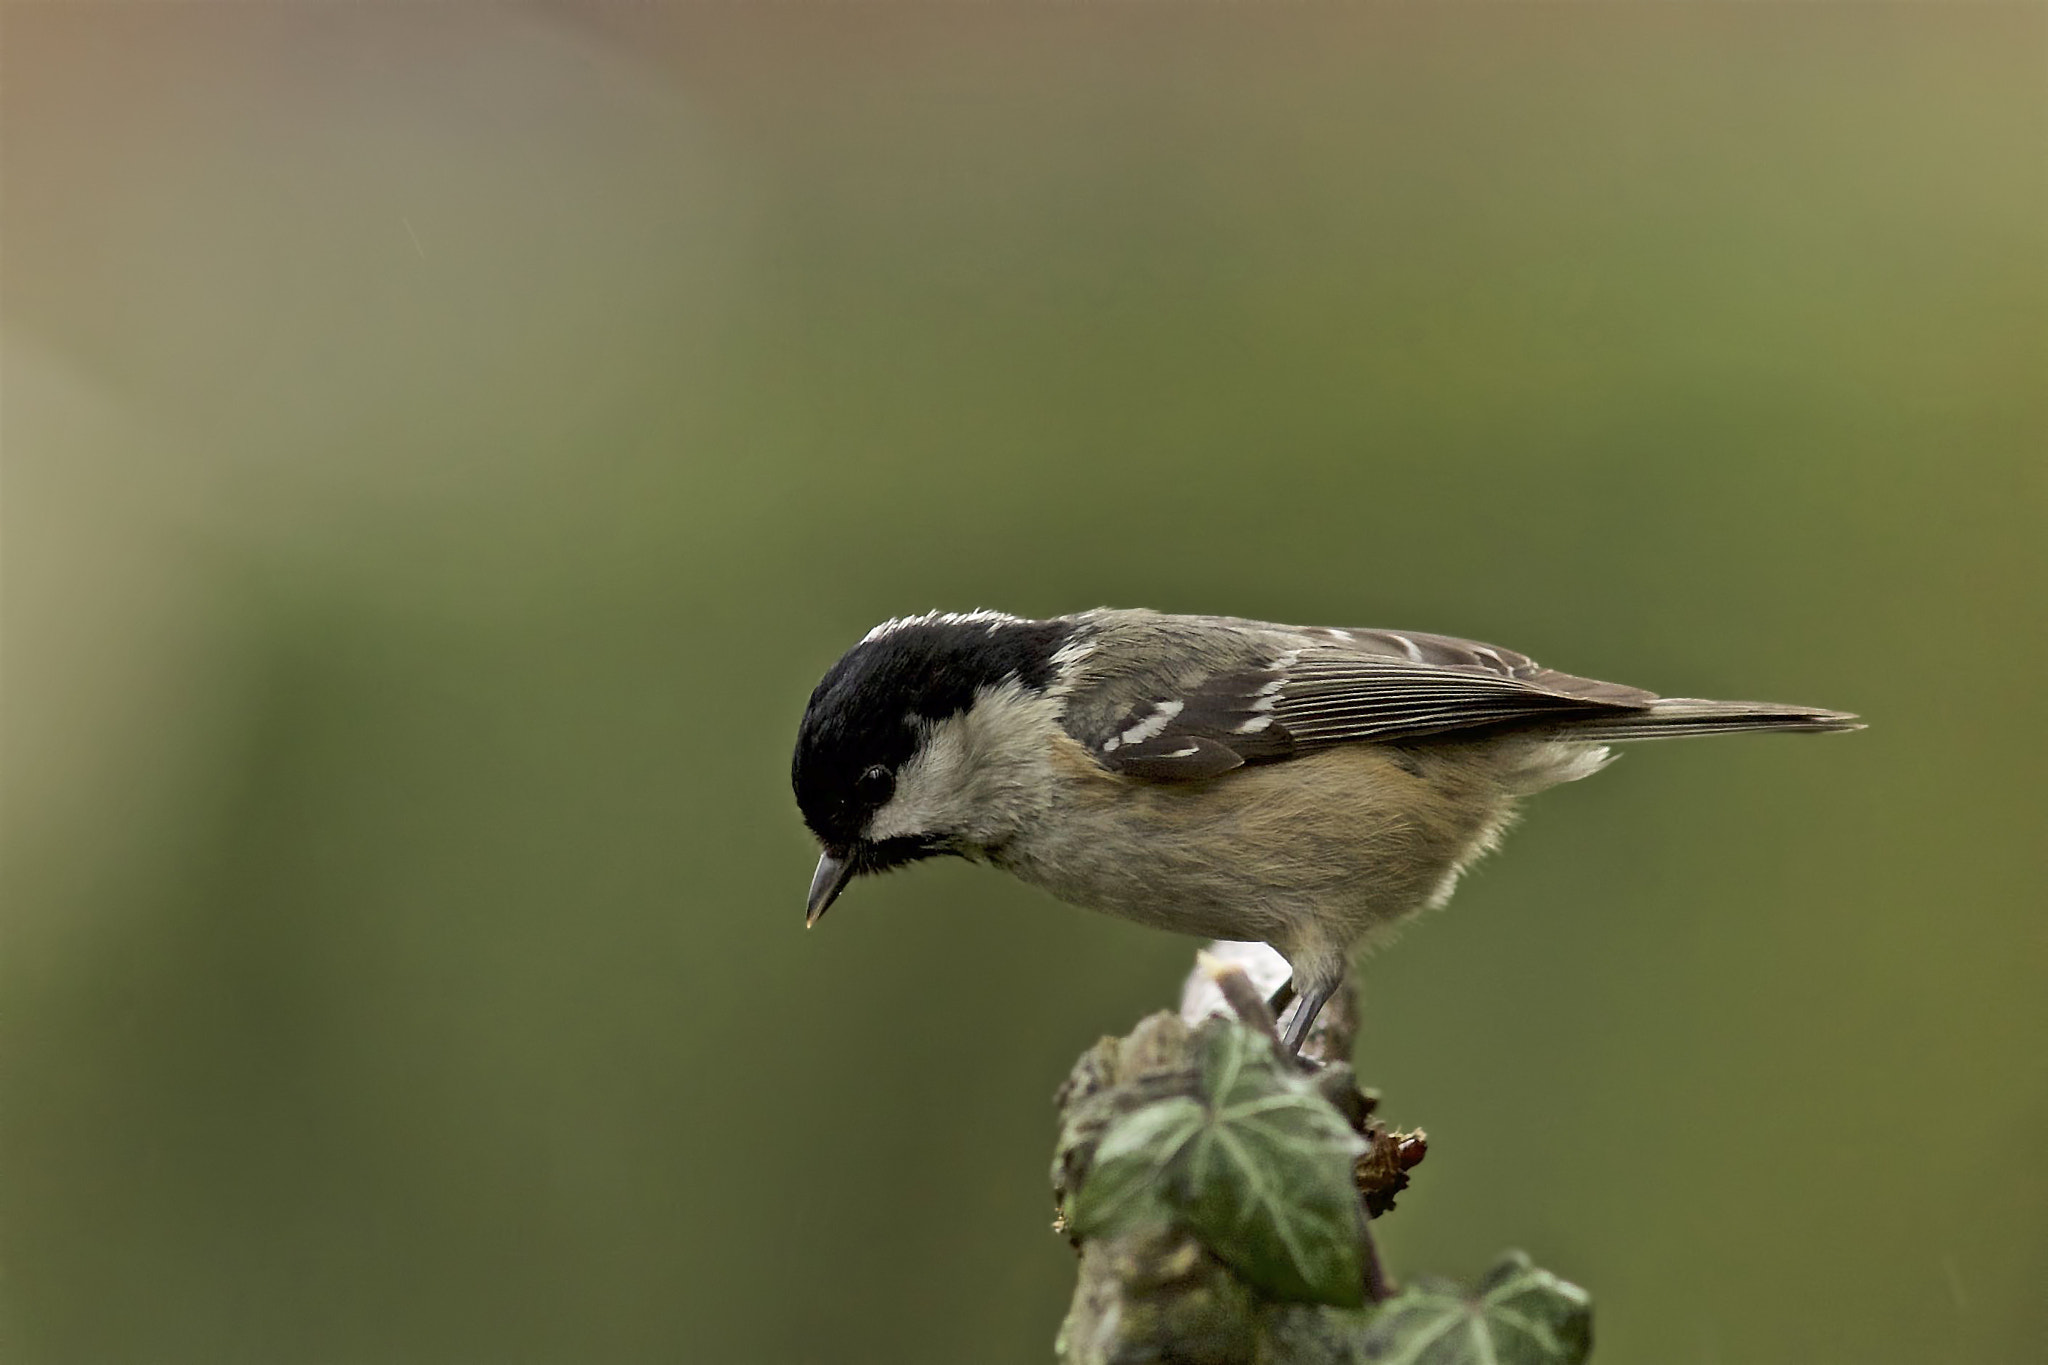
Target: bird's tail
(1679, 717)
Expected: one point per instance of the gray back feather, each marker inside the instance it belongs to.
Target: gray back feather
(1175, 698)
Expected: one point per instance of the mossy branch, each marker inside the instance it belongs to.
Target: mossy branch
(1220, 1194)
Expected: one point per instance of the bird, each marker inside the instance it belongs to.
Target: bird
(1308, 787)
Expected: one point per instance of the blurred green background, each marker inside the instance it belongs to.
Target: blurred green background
(444, 444)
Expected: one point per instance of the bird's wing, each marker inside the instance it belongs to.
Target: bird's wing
(1315, 688)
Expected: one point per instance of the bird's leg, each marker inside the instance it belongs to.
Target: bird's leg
(1279, 1000)
(1313, 998)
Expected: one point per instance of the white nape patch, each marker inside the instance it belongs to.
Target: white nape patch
(1067, 661)
(1162, 715)
(974, 774)
(979, 616)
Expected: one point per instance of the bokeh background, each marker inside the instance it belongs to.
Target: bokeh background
(444, 444)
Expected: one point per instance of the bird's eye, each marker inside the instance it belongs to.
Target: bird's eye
(875, 786)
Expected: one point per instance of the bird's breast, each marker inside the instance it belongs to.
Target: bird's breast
(1347, 838)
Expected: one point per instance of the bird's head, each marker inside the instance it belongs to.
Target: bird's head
(916, 742)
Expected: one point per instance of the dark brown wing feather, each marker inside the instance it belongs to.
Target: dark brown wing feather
(1326, 687)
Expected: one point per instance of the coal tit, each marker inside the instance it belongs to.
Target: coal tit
(1300, 786)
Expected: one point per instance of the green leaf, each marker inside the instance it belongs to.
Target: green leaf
(1518, 1315)
(1125, 1186)
(1259, 1169)
(1266, 1181)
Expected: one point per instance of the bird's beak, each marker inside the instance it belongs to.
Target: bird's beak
(826, 884)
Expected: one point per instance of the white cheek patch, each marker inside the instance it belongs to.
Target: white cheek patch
(928, 787)
(973, 773)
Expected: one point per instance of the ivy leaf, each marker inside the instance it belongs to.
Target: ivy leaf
(1258, 1167)
(1518, 1315)
(1127, 1183)
(1266, 1179)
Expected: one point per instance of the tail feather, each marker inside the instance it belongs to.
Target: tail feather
(1680, 717)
